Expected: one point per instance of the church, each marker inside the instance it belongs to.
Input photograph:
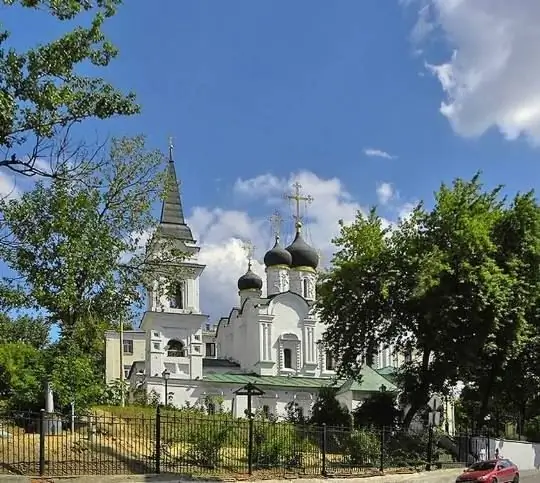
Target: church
(271, 339)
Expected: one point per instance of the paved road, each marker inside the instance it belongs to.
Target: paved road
(530, 477)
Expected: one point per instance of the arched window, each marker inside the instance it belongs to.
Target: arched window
(305, 288)
(175, 348)
(177, 296)
(287, 358)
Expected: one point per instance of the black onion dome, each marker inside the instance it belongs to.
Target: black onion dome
(277, 255)
(302, 254)
(250, 281)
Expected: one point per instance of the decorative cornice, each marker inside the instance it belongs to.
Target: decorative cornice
(304, 269)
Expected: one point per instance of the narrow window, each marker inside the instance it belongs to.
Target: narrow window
(177, 298)
(127, 346)
(287, 358)
(329, 361)
(210, 349)
(305, 287)
(266, 411)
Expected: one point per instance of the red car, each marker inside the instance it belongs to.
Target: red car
(492, 471)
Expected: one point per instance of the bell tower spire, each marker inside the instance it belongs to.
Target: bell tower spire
(172, 222)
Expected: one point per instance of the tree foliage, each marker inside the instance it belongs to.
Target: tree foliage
(378, 411)
(328, 410)
(42, 89)
(76, 251)
(76, 247)
(33, 331)
(455, 286)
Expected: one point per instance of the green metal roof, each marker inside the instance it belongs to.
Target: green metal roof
(389, 373)
(371, 381)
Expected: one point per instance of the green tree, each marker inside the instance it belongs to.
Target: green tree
(452, 286)
(327, 409)
(378, 411)
(42, 90)
(76, 246)
(24, 329)
(74, 378)
(22, 375)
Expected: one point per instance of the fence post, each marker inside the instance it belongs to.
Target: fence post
(158, 439)
(381, 462)
(429, 447)
(250, 444)
(42, 442)
(323, 450)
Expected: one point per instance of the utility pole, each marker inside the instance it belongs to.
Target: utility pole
(122, 396)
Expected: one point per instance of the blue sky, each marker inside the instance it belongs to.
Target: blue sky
(255, 93)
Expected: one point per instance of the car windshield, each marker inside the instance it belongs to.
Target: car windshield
(482, 466)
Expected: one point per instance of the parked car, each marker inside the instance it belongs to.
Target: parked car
(491, 471)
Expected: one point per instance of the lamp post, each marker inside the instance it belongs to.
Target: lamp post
(166, 374)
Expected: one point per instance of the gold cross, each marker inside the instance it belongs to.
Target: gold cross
(297, 197)
(276, 220)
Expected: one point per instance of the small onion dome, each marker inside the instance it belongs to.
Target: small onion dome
(302, 254)
(277, 255)
(250, 281)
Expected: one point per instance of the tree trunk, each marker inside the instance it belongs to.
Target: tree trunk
(411, 413)
(484, 406)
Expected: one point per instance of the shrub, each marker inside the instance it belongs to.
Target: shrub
(207, 440)
(363, 448)
(277, 445)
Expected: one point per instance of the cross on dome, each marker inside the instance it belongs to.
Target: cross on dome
(249, 250)
(276, 220)
(297, 197)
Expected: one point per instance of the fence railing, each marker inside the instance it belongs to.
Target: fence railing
(180, 442)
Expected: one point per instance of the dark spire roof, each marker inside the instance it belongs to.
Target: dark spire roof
(172, 221)
(302, 254)
(250, 280)
(277, 255)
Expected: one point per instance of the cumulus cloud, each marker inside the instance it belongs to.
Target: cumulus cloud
(492, 78)
(221, 233)
(385, 193)
(378, 153)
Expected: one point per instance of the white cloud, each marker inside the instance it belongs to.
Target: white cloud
(406, 210)
(221, 233)
(378, 153)
(385, 193)
(492, 79)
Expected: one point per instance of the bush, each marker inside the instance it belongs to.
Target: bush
(277, 445)
(207, 443)
(363, 448)
(406, 449)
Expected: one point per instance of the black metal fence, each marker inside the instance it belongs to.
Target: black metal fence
(189, 443)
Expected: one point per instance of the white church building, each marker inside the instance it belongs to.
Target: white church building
(271, 339)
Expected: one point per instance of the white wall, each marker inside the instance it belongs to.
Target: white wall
(524, 454)
(276, 400)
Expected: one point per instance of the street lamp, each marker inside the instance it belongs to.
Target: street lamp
(166, 374)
